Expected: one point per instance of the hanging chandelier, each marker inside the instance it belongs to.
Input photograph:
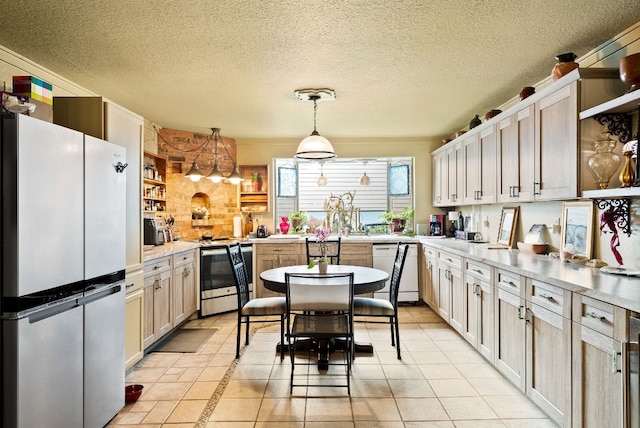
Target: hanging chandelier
(216, 176)
(322, 180)
(315, 146)
(365, 180)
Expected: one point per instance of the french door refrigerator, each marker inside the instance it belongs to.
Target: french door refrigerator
(63, 258)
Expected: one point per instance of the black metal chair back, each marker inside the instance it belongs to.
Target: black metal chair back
(333, 250)
(396, 274)
(239, 273)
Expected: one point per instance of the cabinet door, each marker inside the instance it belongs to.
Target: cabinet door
(473, 168)
(455, 174)
(556, 168)
(444, 292)
(515, 147)
(356, 254)
(430, 278)
(440, 188)
(190, 289)
(148, 330)
(179, 282)
(471, 306)
(597, 380)
(486, 320)
(488, 160)
(125, 128)
(457, 299)
(134, 343)
(549, 362)
(162, 308)
(510, 337)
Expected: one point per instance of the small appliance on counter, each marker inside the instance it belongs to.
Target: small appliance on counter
(437, 225)
(155, 231)
(465, 235)
(263, 231)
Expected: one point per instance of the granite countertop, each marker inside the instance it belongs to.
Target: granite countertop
(618, 290)
(155, 252)
(374, 239)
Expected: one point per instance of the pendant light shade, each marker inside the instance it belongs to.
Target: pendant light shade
(216, 175)
(315, 146)
(194, 174)
(365, 180)
(322, 180)
(235, 177)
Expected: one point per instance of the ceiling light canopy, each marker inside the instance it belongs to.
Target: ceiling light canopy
(315, 146)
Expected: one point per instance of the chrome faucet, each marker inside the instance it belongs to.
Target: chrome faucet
(336, 222)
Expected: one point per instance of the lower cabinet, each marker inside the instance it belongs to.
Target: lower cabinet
(449, 278)
(270, 256)
(598, 332)
(429, 277)
(510, 328)
(184, 286)
(134, 318)
(356, 254)
(158, 319)
(478, 326)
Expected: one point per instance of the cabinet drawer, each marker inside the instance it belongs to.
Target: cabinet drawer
(550, 297)
(184, 257)
(359, 249)
(275, 249)
(429, 251)
(510, 282)
(592, 313)
(157, 265)
(478, 270)
(450, 259)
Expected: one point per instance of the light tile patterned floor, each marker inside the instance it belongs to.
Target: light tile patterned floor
(441, 382)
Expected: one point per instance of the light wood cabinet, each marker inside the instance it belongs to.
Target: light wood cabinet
(134, 313)
(455, 174)
(599, 329)
(430, 277)
(271, 256)
(253, 192)
(440, 180)
(449, 297)
(515, 149)
(154, 192)
(158, 310)
(480, 167)
(356, 254)
(478, 323)
(548, 349)
(184, 286)
(510, 328)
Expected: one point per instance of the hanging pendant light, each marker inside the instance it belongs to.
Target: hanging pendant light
(194, 174)
(315, 146)
(322, 180)
(235, 177)
(365, 180)
(216, 175)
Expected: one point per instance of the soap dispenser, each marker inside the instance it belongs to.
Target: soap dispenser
(460, 221)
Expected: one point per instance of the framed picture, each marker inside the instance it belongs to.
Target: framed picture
(577, 228)
(508, 223)
(399, 180)
(287, 182)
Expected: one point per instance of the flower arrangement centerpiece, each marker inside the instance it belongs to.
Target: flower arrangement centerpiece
(321, 239)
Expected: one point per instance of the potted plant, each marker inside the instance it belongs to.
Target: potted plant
(298, 220)
(397, 221)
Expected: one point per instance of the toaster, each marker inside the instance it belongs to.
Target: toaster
(154, 231)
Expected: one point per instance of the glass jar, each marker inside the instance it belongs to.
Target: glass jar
(604, 162)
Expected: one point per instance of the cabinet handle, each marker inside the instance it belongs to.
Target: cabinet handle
(449, 260)
(510, 283)
(521, 312)
(536, 185)
(156, 267)
(595, 316)
(511, 191)
(156, 284)
(478, 271)
(129, 285)
(614, 362)
(544, 296)
(187, 272)
(516, 191)
(429, 267)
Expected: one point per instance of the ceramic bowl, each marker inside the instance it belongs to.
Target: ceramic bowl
(630, 71)
(491, 113)
(132, 393)
(532, 248)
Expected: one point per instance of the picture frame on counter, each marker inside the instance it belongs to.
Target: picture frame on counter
(508, 225)
(577, 228)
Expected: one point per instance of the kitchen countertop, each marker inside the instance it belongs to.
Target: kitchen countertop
(617, 290)
(155, 252)
(375, 239)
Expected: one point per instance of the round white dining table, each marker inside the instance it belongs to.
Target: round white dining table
(365, 279)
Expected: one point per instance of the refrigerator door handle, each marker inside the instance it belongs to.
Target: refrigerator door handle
(101, 293)
(52, 311)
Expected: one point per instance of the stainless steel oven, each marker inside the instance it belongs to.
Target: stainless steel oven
(633, 373)
(217, 286)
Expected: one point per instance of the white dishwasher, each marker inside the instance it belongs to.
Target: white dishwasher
(383, 257)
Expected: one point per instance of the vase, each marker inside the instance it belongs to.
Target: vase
(565, 64)
(322, 267)
(284, 225)
(526, 92)
(604, 162)
(475, 122)
(628, 173)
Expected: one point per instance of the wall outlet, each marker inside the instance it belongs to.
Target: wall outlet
(556, 227)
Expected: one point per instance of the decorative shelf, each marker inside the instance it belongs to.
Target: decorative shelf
(623, 104)
(622, 192)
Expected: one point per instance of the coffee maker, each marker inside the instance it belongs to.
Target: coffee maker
(437, 225)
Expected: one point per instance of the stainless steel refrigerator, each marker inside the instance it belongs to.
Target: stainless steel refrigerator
(63, 260)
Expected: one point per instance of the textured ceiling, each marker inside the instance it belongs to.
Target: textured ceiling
(399, 68)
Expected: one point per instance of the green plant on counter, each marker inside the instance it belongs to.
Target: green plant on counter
(298, 220)
(389, 216)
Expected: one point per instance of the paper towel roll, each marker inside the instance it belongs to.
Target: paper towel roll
(237, 226)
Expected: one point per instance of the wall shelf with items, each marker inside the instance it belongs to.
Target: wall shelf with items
(253, 192)
(154, 192)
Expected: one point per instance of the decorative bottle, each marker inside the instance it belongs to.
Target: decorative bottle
(566, 63)
(628, 173)
(284, 225)
(604, 162)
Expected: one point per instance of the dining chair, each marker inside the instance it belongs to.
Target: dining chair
(383, 308)
(332, 246)
(265, 307)
(322, 310)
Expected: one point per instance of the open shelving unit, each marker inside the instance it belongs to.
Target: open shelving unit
(154, 186)
(250, 198)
